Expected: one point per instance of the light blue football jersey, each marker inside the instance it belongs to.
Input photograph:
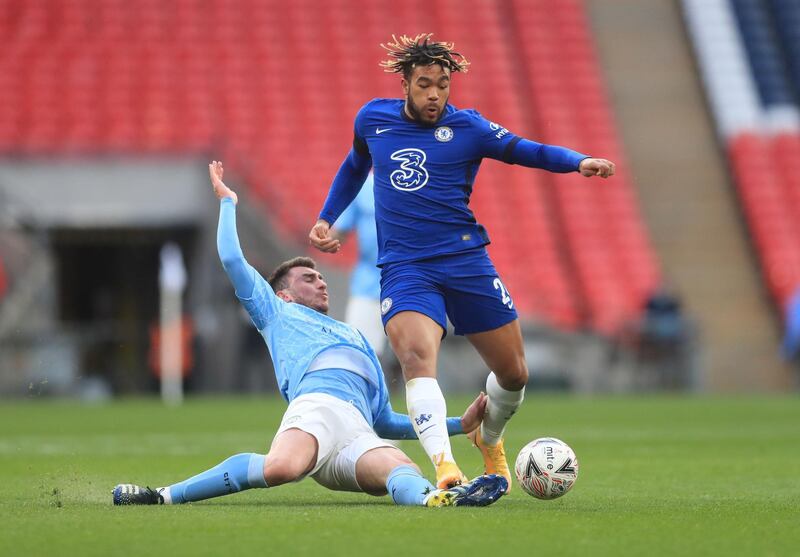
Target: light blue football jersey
(296, 335)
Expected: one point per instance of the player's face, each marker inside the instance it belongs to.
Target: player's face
(427, 92)
(307, 287)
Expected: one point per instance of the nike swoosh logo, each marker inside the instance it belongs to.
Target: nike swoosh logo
(380, 131)
(421, 431)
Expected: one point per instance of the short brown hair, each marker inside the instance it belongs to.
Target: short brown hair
(277, 280)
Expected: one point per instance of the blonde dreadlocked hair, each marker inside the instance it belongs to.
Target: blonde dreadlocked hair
(406, 53)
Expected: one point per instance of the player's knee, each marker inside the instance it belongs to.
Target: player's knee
(416, 361)
(513, 377)
(278, 470)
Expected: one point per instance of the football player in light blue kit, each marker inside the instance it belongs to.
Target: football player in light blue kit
(338, 402)
(425, 154)
(364, 305)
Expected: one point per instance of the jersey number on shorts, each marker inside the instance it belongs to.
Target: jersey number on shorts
(504, 295)
(412, 173)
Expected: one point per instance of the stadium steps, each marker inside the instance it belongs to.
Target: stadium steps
(684, 190)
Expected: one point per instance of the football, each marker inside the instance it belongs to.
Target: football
(546, 468)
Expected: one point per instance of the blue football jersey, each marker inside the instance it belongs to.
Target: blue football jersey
(424, 177)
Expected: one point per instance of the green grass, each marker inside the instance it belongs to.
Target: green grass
(659, 476)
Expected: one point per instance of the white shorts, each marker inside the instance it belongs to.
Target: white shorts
(342, 433)
(365, 315)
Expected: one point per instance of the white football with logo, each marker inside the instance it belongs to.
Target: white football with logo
(546, 468)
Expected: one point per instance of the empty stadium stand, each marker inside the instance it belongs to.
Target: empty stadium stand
(762, 56)
(272, 92)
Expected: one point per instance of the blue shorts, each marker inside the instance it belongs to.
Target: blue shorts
(464, 287)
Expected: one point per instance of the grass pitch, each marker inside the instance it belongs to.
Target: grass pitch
(659, 476)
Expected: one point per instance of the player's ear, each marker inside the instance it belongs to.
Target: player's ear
(404, 83)
(284, 295)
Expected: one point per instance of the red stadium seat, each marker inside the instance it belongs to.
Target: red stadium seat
(276, 91)
(766, 171)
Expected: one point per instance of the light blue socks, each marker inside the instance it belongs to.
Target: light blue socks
(246, 470)
(237, 473)
(407, 486)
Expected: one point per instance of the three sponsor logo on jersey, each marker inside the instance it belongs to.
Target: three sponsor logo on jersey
(412, 174)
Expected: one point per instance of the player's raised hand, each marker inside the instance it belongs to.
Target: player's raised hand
(222, 191)
(321, 238)
(473, 415)
(596, 167)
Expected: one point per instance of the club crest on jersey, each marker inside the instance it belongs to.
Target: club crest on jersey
(386, 305)
(443, 134)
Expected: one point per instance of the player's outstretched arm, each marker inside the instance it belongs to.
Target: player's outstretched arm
(596, 167)
(246, 280)
(241, 274)
(393, 425)
(553, 158)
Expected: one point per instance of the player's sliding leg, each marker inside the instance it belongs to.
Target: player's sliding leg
(415, 339)
(480, 492)
(388, 470)
(293, 453)
(237, 473)
(503, 352)
(407, 487)
(385, 470)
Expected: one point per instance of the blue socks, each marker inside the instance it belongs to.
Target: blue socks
(237, 473)
(406, 486)
(246, 470)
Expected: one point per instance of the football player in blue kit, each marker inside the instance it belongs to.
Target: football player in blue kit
(338, 401)
(425, 154)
